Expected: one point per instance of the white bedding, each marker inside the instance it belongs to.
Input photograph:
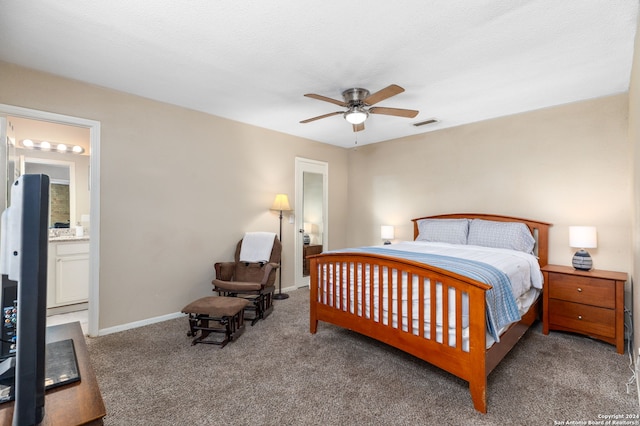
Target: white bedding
(522, 269)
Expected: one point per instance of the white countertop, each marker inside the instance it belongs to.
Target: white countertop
(68, 238)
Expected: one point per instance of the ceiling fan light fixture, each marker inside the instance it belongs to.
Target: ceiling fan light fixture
(356, 115)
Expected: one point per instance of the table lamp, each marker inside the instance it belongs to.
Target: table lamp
(582, 237)
(386, 233)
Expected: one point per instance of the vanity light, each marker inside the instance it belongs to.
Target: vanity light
(48, 146)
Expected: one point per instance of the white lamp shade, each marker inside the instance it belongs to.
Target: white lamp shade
(386, 232)
(356, 116)
(281, 203)
(583, 237)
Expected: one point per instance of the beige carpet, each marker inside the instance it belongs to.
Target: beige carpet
(277, 373)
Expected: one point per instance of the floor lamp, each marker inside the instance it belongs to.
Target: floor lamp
(281, 203)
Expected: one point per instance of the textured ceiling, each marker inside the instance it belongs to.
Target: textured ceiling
(252, 61)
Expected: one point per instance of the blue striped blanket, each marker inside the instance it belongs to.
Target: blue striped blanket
(501, 305)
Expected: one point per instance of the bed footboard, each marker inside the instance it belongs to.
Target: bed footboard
(433, 314)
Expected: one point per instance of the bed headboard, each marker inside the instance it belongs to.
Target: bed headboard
(539, 230)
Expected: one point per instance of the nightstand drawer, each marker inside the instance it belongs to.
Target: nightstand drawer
(587, 290)
(582, 318)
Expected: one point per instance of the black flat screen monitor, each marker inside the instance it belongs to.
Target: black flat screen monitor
(23, 259)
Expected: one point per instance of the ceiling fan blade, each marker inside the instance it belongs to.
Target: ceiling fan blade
(398, 112)
(358, 127)
(308, 120)
(383, 94)
(324, 98)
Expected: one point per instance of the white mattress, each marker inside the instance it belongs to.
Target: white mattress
(522, 269)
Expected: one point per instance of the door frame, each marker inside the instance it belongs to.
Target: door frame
(303, 165)
(94, 197)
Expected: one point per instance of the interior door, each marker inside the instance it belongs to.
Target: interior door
(312, 220)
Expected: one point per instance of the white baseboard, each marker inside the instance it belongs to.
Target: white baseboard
(148, 321)
(136, 324)
(285, 289)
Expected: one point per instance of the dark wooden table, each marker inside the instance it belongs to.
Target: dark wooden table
(78, 403)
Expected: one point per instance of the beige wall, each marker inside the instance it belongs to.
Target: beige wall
(178, 189)
(634, 141)
(567, 165)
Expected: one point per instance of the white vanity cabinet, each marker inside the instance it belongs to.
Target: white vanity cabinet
(68, 273)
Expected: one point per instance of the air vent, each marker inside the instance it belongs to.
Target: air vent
(424, 123)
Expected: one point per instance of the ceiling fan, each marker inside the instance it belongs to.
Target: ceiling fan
(359, 103)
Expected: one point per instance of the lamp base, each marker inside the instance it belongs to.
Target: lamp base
(582, 261)
(280, 296)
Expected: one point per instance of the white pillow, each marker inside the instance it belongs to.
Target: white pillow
(453, 231)
(509, 235)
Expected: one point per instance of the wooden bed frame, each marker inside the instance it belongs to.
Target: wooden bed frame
(473, 365)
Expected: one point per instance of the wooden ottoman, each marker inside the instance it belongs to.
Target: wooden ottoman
(218, 315)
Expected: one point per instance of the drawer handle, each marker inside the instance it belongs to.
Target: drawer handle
(579, 290)
(579, 317)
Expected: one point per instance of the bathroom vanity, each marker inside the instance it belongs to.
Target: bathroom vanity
(68, 274)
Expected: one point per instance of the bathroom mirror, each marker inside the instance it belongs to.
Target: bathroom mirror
(62, 199)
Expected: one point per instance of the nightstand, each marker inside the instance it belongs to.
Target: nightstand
(585, 302)
(308, 251)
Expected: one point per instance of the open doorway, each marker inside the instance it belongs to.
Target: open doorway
(74, 218)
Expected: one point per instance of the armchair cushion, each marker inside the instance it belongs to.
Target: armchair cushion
(254, 272)
(216, 306)
(236, 286)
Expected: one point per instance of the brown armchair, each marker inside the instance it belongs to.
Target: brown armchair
(254, 281)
